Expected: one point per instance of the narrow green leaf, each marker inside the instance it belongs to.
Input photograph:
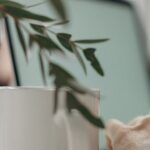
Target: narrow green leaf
(64, 79)
(24, 14)
(60, 74)
(74, 103)
(56, 99)
(42, 67)
(96, 65)
(75, 50)
(75, 86)
(64, 39)
(60, 8)
(91, 41)
(45, 43)
(38, 28)
(60, 23)
(21, 38)
(90, 56)
(78, 88)
(2, 15)
(11, 3)
(31, 40)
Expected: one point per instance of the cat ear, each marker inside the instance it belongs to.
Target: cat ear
(113, 130)
(113, 127)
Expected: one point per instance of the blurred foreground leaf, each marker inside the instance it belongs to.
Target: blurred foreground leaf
(64, 39)
(38, 28)
(91, 41)
(73, 103)
(77, 54)
(1, 15)
(60, 23)
(21, 38)
(59, 7)
(61, 75)
(45, 43)
(90, 55)
(42, 66)
(77, 87)
(20, 13)
(11, 3)
(64, 79)
(56, 99)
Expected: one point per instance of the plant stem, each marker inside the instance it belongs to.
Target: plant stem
(51, 31)
(78, 46)
(37, 4)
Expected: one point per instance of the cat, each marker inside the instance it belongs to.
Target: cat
(132, 136)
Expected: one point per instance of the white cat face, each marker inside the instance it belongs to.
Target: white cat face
(132, 136)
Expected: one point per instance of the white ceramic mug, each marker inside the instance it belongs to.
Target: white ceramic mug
(27, 122)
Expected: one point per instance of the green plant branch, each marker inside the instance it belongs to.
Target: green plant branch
(62, 77)
(52, 32)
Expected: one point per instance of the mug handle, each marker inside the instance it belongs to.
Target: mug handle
(77, 133)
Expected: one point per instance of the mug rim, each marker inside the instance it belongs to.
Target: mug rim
(37, 88)
(26, 88)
